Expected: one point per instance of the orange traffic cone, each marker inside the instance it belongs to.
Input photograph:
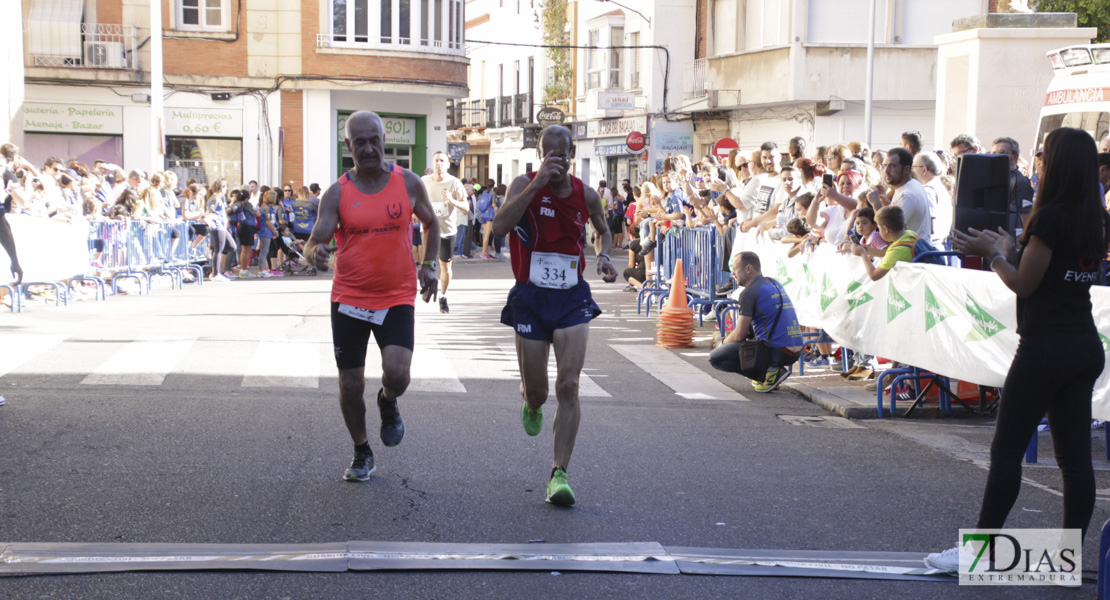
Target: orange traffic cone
(676, 320)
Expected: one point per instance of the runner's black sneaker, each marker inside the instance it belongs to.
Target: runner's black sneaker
(443, 305)
(393, 428)
(361, 467)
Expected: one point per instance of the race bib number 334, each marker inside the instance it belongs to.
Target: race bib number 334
(552, 270)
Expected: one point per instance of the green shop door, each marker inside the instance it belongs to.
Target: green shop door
(405, 141)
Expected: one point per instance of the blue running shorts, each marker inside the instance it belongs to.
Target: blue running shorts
(535, 312)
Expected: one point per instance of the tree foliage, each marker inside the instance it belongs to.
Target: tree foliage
(559, 85)
(1090, 13)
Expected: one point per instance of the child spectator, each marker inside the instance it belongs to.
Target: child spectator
(868, 233)
(892, 228)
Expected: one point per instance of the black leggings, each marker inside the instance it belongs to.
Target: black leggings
(1039, 382)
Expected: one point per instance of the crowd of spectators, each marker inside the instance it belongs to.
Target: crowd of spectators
(237, 230)
(883, 205)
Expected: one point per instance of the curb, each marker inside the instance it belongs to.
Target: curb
(833, 403)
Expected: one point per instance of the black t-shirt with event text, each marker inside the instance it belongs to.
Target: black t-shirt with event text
(1061, 304)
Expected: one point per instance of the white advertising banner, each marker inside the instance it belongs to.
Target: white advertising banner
(957, 322)
(48, 250)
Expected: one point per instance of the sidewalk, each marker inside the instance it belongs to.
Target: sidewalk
(849, 399)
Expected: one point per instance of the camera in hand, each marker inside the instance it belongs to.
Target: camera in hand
(828, 179)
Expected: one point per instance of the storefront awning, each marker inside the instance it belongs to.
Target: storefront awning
(54, 28)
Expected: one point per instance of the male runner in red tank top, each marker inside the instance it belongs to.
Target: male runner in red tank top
(551, 303)
(369, 212)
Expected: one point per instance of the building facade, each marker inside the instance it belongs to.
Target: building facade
(628, 86)
(252, 89)
(507, 60)
(775, 69)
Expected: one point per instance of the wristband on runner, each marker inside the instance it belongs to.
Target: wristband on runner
(603, 254)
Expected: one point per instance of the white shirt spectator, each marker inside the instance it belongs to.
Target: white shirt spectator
(940, 203)
(915, 206)
(762, 192)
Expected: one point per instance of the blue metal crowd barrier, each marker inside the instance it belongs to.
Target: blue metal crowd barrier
(700, 251)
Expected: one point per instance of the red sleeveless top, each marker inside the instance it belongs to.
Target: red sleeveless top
(551, 225)
(373, 263)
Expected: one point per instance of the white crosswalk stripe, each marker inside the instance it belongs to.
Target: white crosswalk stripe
(587, 387)
(442, 364)
(684, 378)
(284, 363)
(22, 348)
(140, 363)
(430, 370)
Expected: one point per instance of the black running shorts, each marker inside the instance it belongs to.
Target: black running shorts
(446, 248)
(350, 336)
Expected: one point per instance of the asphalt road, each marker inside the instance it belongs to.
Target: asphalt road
(213, 452)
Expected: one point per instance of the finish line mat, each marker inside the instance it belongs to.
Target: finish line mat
(637, 557)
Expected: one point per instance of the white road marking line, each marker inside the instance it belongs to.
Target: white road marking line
(684, 378)
(21, 348)
(283, 363)
(140, 363)
(431, 371)
(587, 387)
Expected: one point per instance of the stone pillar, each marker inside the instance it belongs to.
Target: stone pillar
(992, 74)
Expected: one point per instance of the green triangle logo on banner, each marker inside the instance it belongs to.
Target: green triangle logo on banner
(808, 285)
(983, 325)
(1105, 342)
(896, 303)
(828, 292)
(783, 274)
(935, 311)
(855, 298)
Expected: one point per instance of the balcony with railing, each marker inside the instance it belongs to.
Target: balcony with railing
(476, 114)
(693, 80)
(426, 26)
(522, 109)
(82, 45)
(504, 111)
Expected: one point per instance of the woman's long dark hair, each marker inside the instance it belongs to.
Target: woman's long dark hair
(1070, 179)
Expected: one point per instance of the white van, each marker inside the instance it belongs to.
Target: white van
(1079, 94)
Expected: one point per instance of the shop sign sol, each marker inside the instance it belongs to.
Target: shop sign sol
(72, 118)
(399, 132)
(204, 122)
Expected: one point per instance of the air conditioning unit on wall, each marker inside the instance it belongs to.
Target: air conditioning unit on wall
(107, 55)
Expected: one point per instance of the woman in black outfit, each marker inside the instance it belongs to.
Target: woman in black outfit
(1051, 270)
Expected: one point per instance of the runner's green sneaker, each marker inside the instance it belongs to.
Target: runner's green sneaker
(558, 490)
(532, 419)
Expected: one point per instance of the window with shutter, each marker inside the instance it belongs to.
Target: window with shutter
(753, 24)
(724, 26)
(845, 22)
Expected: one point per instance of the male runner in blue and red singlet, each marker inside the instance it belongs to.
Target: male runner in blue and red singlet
(547, 211)
(369, 211)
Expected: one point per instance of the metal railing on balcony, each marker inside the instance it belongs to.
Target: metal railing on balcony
(476, 114)
(90, 46)
(693, 80)
(505, 111)
(522, 109)
(491, 112)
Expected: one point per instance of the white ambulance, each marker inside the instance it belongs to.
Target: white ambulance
(1079, 94)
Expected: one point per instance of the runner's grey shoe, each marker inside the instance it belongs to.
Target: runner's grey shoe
(361, 467)
(393, 428)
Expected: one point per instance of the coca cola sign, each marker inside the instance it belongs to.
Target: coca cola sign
(635, 141)
(550, 115)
